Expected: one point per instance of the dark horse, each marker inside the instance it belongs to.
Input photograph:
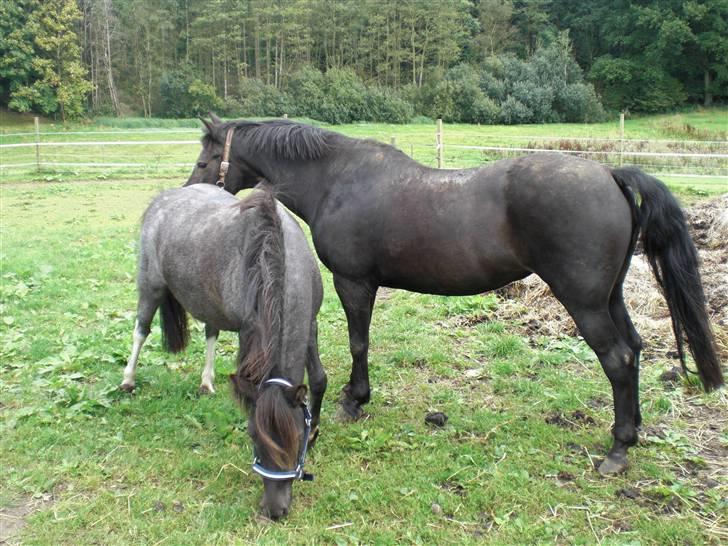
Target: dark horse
(241, 266)
(378, 218)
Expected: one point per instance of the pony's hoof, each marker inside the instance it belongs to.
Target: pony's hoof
(127, 388)
(612, 465)
(205, 390)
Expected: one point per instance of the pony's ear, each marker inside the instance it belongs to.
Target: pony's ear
(244, 390)
(297, 395)
(214, 118)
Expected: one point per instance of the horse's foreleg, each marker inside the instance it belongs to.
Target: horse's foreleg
(208, 374)
(358, 301)
(316, 380)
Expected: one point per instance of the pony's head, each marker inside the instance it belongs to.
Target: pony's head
(207, 168)
(277, 425)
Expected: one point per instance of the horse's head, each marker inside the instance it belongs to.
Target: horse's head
(279, 424)
(239, 174)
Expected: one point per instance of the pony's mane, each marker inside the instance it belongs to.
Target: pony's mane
(263, 291)
(260, 347)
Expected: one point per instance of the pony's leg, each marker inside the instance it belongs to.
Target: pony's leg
(621, 319)
(358, 301)
(147, 306)
(617, 360)
(208, 374)
(317, 381)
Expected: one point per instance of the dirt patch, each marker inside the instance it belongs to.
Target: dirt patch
(575, 420)
(14, 517)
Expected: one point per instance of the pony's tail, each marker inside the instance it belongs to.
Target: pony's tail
(263, 294)
(674, 262)
(173, 320)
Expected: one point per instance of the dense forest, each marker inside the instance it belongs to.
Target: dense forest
(478, 61)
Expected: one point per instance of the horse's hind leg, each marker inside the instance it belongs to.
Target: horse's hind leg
(208, 374)
(317, 380)
(621, 319)
(617, 360)
(149, 301)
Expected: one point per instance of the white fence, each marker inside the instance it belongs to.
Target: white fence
(143, 152)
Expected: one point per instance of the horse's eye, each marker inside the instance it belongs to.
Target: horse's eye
(202, 164)
(216, 156)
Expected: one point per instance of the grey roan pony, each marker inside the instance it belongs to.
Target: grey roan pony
(378, 218)
(242, 266)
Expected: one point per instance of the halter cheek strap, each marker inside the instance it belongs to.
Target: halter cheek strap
(298, 472)
(225, 163)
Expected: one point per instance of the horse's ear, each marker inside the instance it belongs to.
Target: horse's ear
(214, 118)
(209, 128)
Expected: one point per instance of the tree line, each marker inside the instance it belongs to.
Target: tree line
(484, 61)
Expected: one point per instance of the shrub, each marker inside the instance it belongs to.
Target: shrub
(513, 111)
(184, 95)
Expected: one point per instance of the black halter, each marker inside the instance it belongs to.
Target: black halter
(297, 473)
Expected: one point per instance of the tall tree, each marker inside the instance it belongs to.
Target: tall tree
(57, 79)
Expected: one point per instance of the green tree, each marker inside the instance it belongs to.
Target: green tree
(55, 79)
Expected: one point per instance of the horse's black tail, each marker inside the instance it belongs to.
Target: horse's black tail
(263, 296)
(674, 261)
(173, 320)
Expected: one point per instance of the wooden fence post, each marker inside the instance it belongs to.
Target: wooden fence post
(438, 143)
(36, 121)
(393, 141)
(621, 138)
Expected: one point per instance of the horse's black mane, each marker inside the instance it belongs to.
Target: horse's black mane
(288, 140)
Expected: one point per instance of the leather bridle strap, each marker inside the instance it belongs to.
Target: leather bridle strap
(225, 164)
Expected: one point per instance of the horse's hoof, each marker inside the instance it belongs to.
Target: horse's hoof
(205, 390)
(612, 465)
(127, 388)
(349, 411)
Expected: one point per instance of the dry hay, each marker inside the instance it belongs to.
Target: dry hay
(530, 303)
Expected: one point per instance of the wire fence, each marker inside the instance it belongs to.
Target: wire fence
(143, 152)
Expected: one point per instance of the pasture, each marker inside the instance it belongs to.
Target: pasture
(529, 413)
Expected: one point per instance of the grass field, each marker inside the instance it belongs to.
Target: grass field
(83, 463)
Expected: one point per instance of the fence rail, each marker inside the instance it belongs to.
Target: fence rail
(55, 151)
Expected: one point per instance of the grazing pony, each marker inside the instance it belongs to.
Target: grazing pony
(242, 266)
(378, 218)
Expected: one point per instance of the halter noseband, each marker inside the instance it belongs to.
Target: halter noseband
(297, 473)
(225, 164)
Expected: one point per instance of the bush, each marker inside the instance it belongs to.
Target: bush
(513, 111)
(538, 98)
(184, 95)
(384, 105)
(257, 99)
(578, 103)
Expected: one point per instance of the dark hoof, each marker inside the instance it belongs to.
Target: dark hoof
(350, 410)
(204, 390)
(127, 388)
(612, 465)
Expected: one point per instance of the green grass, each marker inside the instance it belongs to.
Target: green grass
(164, 466)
